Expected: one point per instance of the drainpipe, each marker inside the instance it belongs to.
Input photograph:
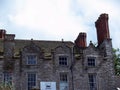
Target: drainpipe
(71, 67)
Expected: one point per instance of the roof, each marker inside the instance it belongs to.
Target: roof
(46, 46)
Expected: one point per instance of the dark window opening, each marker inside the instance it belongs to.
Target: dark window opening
(63, 77)
(91, 62)
(31, 80)
(92, 81)
(63, 60)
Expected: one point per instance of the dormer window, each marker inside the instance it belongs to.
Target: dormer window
(91, 61)
(63, 61)
(31, 59)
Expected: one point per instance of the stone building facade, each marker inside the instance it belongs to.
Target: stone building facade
(58, 65)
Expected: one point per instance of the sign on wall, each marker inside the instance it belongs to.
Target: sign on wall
(48, 85)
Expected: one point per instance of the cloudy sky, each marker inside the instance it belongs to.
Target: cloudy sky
(57, 19)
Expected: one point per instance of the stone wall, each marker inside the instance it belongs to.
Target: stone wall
(117, 81)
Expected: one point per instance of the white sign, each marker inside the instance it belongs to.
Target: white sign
(118, 88)
(48, 85)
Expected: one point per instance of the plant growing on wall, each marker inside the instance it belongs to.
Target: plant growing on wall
(4, 86)
(116, 56)
(8, 65)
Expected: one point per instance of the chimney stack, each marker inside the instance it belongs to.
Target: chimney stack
(2, 33)
(102, 28)
(81, 40)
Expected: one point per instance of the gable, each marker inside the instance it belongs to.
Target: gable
(32, 48)
(62, 49)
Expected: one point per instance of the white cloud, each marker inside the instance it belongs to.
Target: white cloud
(2, 25)
(65, 18)
(52, 16)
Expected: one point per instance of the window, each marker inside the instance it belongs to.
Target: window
(31, 59)
(91, 62)
(8, 78)
(63, 60)
(63, 81)
(63, 77)
(31, 80)
(92, 81)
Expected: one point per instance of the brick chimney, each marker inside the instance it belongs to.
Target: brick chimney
(2, 33)
(9, 45)
(81, 40)
(102, 28)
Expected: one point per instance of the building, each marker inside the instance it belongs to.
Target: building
(58, 65)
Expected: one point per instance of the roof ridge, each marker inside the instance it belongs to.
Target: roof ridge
(42, 40)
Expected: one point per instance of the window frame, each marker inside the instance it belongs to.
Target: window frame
(63, 77)
(92, 81)
(64, 83)
(30, 62)
(63, 60)
(28, 78)
(91, 61)
(7, 78)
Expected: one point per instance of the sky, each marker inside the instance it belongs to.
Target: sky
(58, 19)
